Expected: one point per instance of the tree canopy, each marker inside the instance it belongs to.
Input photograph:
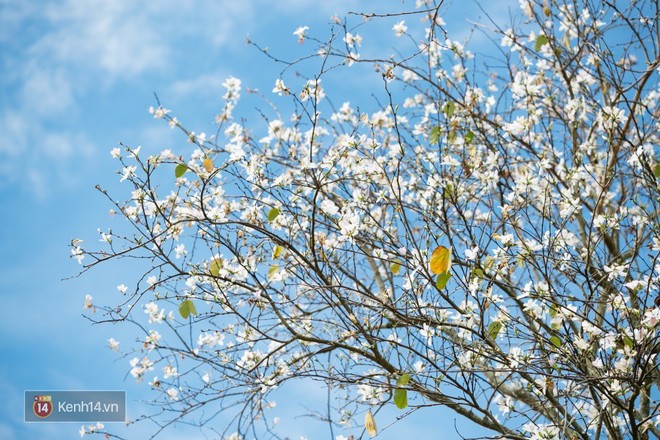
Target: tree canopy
(486, 239)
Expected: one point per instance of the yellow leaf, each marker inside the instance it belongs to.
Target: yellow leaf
(208, 165)
(272, 271)
(440, 261)
(277, 251)
(370, 424)
(215, 266)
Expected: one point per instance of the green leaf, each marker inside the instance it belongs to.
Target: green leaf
(403, 380)
(180, 170)
(451, 136)
(272, 271)
(442, 279)
(656, 170)
(553, 311)
(541, 40)
(215, 266)
(191, 307)
(494, 329)
(434, 138)
(628, 342)
(187, 308)
(447, 191)
(401, 398)
(554, 340)
(469, 137)
(395, 267)
(183, 309)
(477, 273)
(449, 109)
(272, 214)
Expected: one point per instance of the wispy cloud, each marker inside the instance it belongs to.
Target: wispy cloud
(114, 37)
(65, 53)
(198, 85)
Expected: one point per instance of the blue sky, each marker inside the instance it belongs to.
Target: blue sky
(77, 77)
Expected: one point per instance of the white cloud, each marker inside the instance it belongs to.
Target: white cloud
(14, 131)
(64, 145)
(117, 37)
(71, 48)
(202, 84)
(45, 90)
(321, 7)
(12, 14)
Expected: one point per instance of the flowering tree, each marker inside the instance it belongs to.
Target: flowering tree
(486, 240)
